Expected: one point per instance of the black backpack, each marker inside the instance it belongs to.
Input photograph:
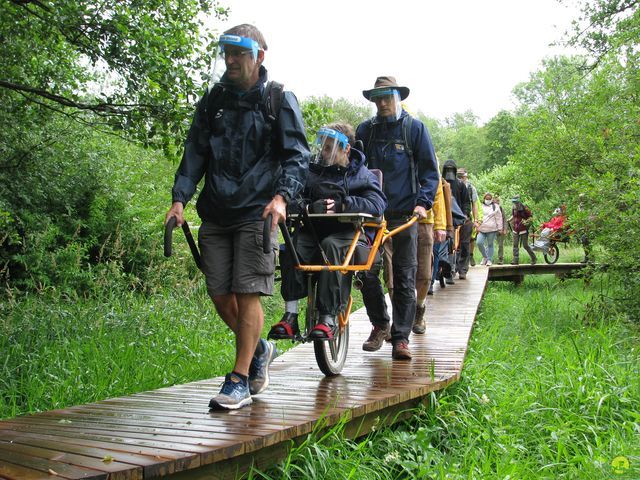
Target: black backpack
(269, 105)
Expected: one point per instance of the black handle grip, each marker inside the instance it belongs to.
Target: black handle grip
(266, 234)
(168, 234)
(192, 244)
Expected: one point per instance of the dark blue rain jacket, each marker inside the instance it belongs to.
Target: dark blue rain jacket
(405, 186)
(244, 159)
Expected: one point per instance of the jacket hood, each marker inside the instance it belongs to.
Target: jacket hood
(356, 160)
(449, 164)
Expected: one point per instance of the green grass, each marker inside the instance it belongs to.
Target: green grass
(549, 390)
(550, 387)
(56, 352)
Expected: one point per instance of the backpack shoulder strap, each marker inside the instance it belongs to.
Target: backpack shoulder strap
(406, 138)
(406, 135)
(272, 100)
(368, 146)
(212, 103)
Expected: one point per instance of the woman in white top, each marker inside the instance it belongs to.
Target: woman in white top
(492, 223)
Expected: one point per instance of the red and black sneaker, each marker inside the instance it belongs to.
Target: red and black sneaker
(285, 329)
(325, 329)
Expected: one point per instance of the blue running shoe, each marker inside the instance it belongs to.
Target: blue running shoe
(259, 368)
(234, 394)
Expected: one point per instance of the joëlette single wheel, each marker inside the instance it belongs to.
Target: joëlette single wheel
(552, 255)
(332, 354)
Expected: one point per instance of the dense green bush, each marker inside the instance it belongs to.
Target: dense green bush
(80, 208)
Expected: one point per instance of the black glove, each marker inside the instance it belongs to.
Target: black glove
(319, 206)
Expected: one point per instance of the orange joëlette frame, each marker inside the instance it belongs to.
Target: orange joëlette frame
(379, 239)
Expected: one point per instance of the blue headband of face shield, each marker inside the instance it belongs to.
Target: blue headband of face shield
(242, 42)
(339, 137)
(381, 92)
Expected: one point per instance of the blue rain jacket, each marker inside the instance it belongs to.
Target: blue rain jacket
(389, 154)
(244, 159)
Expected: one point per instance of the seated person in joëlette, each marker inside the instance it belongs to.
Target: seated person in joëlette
(556, 224)
(338, 182)
(557, 221)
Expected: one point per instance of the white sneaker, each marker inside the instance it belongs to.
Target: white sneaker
(488, 264)
(483, 262)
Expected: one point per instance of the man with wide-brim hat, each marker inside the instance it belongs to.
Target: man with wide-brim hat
(400, 146)
(387, 82)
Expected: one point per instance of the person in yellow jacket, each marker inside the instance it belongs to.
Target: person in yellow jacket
(431, 229)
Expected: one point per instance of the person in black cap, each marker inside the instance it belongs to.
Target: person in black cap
(400, 146)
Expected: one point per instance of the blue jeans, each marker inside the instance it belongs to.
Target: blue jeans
(486, 238)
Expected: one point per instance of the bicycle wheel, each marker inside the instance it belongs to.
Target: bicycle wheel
(552, 255)
(332, 354)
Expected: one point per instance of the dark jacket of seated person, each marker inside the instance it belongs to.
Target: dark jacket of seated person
(354, 189)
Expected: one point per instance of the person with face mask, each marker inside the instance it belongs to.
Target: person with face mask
(555, 224)
(338, 182)
(475, 201)
(500, 236)
(253, 164)
(400, 146)
(520, 220)
(488, 228)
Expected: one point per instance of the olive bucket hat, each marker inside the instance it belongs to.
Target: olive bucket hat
(386, 83)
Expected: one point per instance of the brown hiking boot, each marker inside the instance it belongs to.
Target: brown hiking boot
(401, 350)
(376, 338)
(420, 323)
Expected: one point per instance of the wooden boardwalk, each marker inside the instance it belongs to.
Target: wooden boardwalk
(171, 432)
(516, 273)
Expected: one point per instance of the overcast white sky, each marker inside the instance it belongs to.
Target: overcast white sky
(454, 56)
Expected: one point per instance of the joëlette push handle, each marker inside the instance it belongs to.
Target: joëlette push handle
(168, 233)
(266, 234)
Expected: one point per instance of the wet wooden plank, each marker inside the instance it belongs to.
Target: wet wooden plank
(170, 431)
(58, 468)
(517, 272)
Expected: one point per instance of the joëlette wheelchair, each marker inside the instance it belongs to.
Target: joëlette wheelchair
(548, 244)
(331, 354)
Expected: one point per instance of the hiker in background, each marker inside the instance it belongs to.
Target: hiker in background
(440, 245)
(460, 194)
(475, 200)
(502, 233)
(251, 169)
(431, 230)
(488, 228)
(401, 147)
(521, 218)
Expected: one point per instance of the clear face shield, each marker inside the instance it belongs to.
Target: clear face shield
(330, 148)
(231, 46)
(387, 102)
